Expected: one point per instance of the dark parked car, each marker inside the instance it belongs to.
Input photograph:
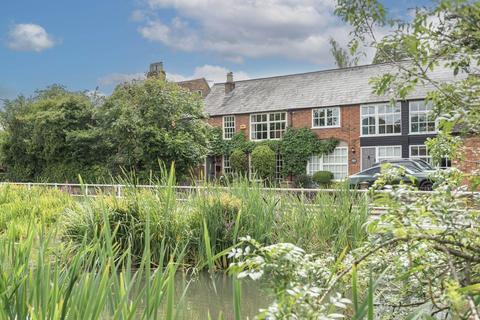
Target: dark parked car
(410, 164)
(368, 176)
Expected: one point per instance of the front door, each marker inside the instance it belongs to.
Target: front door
(368, 157)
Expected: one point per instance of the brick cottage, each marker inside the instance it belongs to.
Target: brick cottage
(336, 104)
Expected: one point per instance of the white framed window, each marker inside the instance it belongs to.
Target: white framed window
(388, 153)
(227, 168)
(421, 152)
(278, 167)
(380, 119)
(335, 162)
(326, 117)
(228, 127)
(266, 126)
(422, 120)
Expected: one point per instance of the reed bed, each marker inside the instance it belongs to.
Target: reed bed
(116, 258)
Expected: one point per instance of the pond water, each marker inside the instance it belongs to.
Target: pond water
(214, 295)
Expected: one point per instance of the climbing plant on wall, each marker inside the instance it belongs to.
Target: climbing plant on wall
(296, 147)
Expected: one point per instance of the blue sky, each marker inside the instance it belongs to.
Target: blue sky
(98, 43)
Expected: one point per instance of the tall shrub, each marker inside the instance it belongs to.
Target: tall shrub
(263, 161)
(239, 161)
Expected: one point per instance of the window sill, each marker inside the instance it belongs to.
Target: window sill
(381, 135)
(422, 133)
(329, 127)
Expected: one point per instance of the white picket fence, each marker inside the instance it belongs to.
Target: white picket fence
(93, 190)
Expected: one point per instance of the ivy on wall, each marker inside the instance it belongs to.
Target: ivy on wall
(296, 147)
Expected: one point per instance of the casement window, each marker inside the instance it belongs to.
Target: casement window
(388, 153)
(380, 119)
(227, 168)
(266, 126)
(421, 152)
(326, 117)
(228, 127)
(422, 120)
(335, 162)
(278, 167)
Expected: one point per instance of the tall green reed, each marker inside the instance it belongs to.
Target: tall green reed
(96, 281)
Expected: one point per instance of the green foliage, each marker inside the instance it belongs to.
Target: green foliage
(295, 148)
(263, 162)
(443, 146)
(151, 120)
(303, 181)
(93, 282)
(298, 145)
(50, 134)
(322, 177)
(450, 43)
(239, 161)
(57, 135)
(343, 59)
(21, 209)
(389, 51)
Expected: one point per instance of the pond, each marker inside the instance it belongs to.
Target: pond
(214, 295)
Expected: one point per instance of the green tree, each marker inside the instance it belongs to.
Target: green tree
(433, 255)
(49, 136)
(146, 122)
(389, 52)
(343, 58)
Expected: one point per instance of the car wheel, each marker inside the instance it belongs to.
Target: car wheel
(426, 186)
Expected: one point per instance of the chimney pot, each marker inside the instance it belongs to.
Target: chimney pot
(229, 85)
(156, 70)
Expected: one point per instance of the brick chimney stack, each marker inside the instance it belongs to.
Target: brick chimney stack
(156, 71)
(229, 85)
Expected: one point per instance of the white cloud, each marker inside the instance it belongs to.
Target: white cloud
(297, 29)
(29, 37)
(217, 74)
(117, 78)
(213, 74)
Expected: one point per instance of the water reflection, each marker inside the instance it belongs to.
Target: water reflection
(215, 295)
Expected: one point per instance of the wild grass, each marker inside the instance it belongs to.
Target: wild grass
(96, 282)
(116, 258)
(20, 207)
(207, 222)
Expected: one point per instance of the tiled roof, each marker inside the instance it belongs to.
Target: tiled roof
(336, 87)
(196, 85)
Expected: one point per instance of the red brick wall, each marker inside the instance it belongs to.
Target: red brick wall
(470, 155)
(348, 132)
